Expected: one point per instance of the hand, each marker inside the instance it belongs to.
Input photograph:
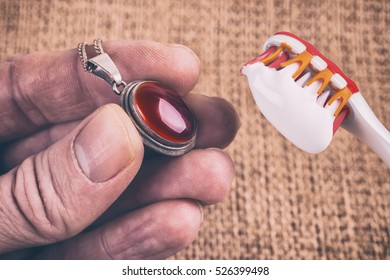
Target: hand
(74, 182)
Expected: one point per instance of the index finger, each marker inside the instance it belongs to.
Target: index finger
(41, 89)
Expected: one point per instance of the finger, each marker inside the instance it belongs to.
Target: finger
(57, 193)
(202, 175)
(218, 124)
(153, 232)
(218, 121)
(14, 153)
(51, 87)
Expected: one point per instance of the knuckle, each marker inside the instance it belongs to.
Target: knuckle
(20, 93)
(171, 226)
(39, 205)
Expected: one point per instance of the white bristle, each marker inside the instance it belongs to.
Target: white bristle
(318, 63)
(323, 97)
(338, 81)
(302, 80)
(276, 40)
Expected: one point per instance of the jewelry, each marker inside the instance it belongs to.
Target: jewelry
(163, 119)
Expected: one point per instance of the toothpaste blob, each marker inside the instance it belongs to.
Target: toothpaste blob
(295, 115)
(299, 91)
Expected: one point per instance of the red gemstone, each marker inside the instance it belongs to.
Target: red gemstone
(164, 112)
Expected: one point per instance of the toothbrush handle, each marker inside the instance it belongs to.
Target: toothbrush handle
(363, 123)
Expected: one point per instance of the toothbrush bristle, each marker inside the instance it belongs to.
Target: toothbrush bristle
(340, 118)
(323, 98)
(302, 79)
(260, 57)
(286, 48)
(303, 59)
(330, 64)
(278, 61)
(267, 53)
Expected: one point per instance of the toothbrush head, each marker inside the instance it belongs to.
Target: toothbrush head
(301, 92)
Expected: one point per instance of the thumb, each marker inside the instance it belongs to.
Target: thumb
(57, 193)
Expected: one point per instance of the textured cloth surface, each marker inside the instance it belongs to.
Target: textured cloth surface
(284, 203)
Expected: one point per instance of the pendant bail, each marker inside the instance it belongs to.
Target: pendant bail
(103, 67)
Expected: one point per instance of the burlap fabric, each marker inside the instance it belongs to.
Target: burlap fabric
(284, 204)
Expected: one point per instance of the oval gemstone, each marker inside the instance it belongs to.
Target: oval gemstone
(164, 112)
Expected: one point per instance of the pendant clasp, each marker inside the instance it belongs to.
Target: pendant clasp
(103, 67)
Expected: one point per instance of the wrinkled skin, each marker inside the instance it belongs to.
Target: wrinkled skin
(75, 180)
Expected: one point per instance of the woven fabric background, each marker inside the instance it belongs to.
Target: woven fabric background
(284, 204)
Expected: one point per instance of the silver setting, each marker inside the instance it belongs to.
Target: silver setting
(149, 137)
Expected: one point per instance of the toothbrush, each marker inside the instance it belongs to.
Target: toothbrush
(307, 97)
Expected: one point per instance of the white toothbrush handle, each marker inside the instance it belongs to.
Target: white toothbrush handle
(363, 123)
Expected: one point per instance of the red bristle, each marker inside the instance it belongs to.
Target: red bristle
(265, 54)
(340, 118)
(276, 63)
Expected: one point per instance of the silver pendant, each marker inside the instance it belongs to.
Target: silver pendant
(162, 118)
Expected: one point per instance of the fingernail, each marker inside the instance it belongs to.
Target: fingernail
(103, 147)
(201, 211)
